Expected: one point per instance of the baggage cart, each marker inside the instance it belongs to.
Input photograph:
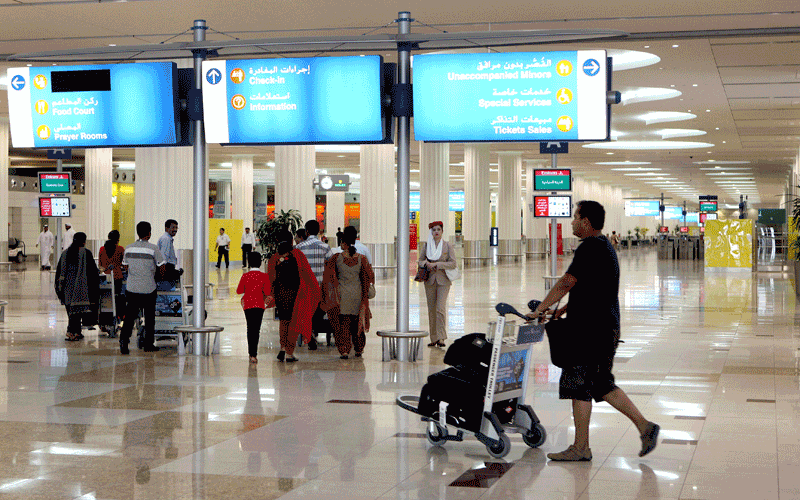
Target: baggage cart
(501, 408)
(173, 308)
(108, 319)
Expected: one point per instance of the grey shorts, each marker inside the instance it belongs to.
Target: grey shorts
(587, 382)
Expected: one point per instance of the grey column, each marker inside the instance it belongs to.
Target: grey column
(476, 222)
(98, 174)
(294, 180)
(4, 165)
(434, 189)
(509, 217)
(378, 205)
(334, 215)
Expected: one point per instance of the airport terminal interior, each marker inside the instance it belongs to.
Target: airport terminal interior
(707, 111)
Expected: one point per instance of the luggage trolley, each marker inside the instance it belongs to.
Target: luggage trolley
(108, 305)
(502, 373)
(173, 308)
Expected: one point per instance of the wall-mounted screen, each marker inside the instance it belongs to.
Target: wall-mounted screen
(54, 207)
(684, 229)
(663, 229)
(55, 182)
(641, 208)
(514, 96)
(294, 101)
(552, 180)
(673, 213)
(552, 206)
(94, 106)
(708, 206)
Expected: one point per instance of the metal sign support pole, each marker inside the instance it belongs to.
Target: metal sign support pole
(662, 212)
(199, 204)
(554, 232)
(59, 168)
(403, 178)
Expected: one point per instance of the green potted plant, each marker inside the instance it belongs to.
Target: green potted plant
(644, 232)
(794, 244)
(267, 230)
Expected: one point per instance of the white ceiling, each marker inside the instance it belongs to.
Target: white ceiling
(735, 64)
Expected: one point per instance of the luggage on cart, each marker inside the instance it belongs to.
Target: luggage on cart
(471, 353)
(462, 393)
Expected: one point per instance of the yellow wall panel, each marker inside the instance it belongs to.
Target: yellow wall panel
(234, 229)
(729, 243)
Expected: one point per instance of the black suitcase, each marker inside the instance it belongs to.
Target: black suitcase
(471, 353)
(463, 393)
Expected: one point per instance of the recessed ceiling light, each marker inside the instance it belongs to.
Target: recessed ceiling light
(708, 111)
(609, 153)
(112, 44)
(694, 85)
(647, 46)
(340, 156)
(675, 46)
(648, 145)
(717, 128)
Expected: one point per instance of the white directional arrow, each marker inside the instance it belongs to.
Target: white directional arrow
(17, 82)
(591, 67)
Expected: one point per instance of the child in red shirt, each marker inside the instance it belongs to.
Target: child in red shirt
(256, 289)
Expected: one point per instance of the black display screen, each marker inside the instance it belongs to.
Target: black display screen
(81, 81)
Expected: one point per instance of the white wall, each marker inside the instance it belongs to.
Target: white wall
(28, 202)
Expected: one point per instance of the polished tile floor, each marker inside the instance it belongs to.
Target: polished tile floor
(711, 357)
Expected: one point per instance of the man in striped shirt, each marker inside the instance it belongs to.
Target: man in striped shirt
(317, 253)
(144, 260)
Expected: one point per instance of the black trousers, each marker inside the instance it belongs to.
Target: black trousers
(253, 316)
(246, 249)
(147, 303)
(223, 251)
(74, 323)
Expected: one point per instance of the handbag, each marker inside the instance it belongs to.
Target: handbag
(371, 292)
(453, 274)
(422, 274)
(562, 347)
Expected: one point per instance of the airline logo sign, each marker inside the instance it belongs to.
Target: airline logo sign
(521, 96)
(552, 180)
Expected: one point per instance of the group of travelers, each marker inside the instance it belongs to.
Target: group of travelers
(304, 281)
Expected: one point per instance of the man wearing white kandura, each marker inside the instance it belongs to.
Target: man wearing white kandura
(45, 243)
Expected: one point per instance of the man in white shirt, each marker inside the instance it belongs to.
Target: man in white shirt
(248, 243)
(360, 247)
(69, 234)
(223, 243)
(45, 243)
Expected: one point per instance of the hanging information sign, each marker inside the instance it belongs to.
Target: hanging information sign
(516, 96)
(294, 101)
(94, 106)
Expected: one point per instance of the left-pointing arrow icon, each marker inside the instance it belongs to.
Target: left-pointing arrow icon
(17, 82)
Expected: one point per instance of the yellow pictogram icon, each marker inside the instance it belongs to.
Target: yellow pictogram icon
(43, 132)
(564, 123)
(42, 107)
(564, 68)
(238, 101)
(40, 81)
(237, 75)
(564, 96)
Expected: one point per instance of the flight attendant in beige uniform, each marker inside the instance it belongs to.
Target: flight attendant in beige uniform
(437, 255)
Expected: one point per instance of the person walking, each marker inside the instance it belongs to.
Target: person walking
(255, 290)
(77, 284)
(45, 242)
(69, 234)
(437, 255)
(360, 247)
(222, 245)
(316, 253)
(248, 244)
(296, 294)
(144, 261)
(110, 257)
(346, 296)
(592, 281)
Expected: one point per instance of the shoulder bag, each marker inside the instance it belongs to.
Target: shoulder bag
(422, 274)
(566, 349)
(453, 274)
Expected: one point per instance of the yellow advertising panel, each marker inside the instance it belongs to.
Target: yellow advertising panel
(234, 229)
(729, 243)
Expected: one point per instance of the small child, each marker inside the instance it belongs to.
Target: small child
(256, 288)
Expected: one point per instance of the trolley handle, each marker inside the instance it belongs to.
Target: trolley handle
(502, 309)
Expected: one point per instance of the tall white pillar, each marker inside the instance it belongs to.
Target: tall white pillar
(476, 222)
(535, 228)
(509, 217)
(378, 203)
(164, 191)
(242, 189)
(295, 168)
(434, 189)
(4, 203)
(334, 214)
(98, 175)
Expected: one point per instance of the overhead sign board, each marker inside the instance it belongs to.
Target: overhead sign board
(515, 96)
(456, 201)
(553, 148)
(294, 101)
(94, 106)
(54, 207)
(708, 206)
(673, 212)
(59, 154)
(55, 182)
(552, 206)
(708, 197)
(552, 180)
(642, 208)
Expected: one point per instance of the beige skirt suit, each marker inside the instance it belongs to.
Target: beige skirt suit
(437, 288)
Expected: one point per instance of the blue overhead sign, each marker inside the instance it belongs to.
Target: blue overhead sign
(522, 96)
(293, 101)
(641, 208)
(94, 106)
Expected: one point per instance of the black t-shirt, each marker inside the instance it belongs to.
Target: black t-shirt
(594, 300)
